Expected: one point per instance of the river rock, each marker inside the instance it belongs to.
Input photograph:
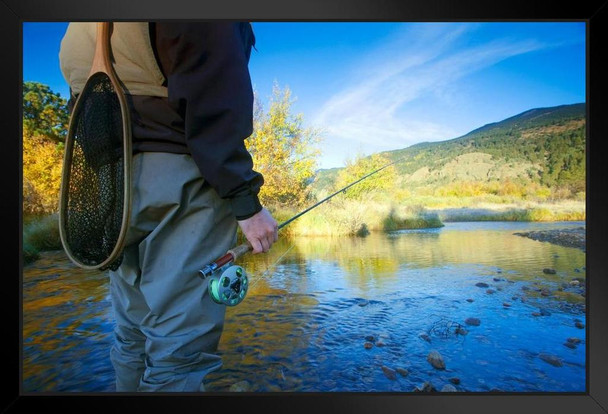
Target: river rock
(574, 282)
(402, 371)
(579, 325)
(461, 331)
(368, 345)
(380, 344)
(551, 359)
(470, 300)
(544, 312)
(506, 304)
(370, 338)
(498, 279)
(536, 314)
(455, 380)
(449, 388)
(426, 387)
(391, 374)
(545, 292)
(574, 340)
(242, 386)
(436, 360)
(570, 345)
(363, 303)
(490, 291)
(482, 285)
(425, 337)
(549, 271)
(473, 321)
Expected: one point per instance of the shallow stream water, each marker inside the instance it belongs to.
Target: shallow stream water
(351, 315)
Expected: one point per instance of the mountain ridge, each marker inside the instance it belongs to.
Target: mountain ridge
(545, 146)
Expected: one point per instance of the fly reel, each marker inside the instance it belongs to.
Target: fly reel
(230, 287)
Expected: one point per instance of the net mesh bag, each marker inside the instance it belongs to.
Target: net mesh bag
(94, 203)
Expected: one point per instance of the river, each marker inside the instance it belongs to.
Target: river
(352, 315)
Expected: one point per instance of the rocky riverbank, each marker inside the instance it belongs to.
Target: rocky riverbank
(563, 237)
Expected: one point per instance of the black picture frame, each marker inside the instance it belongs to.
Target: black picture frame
(595, 13)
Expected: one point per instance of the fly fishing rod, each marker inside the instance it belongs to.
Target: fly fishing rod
(231, 286)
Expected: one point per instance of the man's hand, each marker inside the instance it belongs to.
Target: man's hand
(261, 230)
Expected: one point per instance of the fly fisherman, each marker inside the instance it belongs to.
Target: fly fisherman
(191, 106)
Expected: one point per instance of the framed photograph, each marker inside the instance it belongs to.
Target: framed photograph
(434, 173)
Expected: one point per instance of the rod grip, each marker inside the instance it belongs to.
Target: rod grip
(240, 250)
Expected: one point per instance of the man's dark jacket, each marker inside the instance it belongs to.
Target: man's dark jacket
(209, 109)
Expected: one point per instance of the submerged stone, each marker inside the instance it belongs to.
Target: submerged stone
(482, 285)
(402, 371)
(391, 374)
(549, 271)
(461, 331)
(436, 360)
(551, 359)
(473, 321)
(426, 387)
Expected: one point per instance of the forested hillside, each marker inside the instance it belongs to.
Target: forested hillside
(543, 146)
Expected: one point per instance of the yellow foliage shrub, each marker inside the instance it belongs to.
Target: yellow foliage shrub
(283, 151)
(42, 161)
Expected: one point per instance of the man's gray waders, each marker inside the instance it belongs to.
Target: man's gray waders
(167, 326)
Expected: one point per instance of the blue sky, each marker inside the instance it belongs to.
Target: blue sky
(380, 86)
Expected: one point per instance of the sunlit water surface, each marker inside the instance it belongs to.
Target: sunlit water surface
(305, 322)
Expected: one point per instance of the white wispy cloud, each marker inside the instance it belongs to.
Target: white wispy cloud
(415, 63)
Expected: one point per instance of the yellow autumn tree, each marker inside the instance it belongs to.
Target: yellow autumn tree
(379, 183)
(42, 161)
(45, 122)
(283, 150)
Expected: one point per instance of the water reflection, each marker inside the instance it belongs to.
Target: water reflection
(306, 320)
